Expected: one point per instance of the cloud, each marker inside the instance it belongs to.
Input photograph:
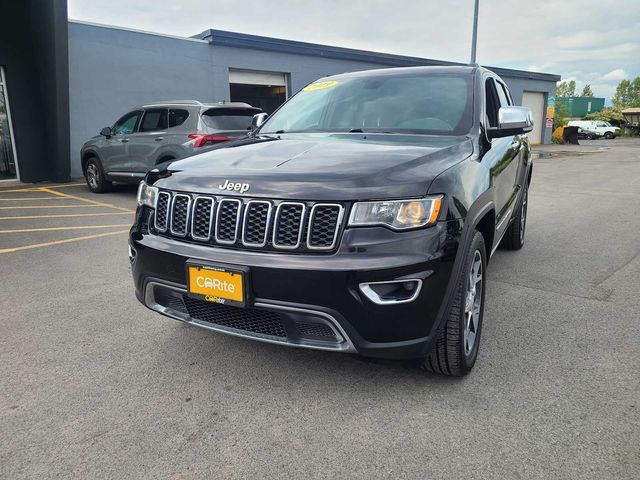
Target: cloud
(617, 74)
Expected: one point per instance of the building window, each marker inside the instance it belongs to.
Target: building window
(8, 166)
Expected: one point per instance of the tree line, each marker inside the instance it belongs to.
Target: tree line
(627, 92)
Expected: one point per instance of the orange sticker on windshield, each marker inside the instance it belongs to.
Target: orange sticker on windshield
(320, 86)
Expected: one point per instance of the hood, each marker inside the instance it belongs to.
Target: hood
(318, 166)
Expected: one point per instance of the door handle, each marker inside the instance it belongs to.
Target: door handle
(159, 139)
(125, 140)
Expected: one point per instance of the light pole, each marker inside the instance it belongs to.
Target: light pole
(474, 37)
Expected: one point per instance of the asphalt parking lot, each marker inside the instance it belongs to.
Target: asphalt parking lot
(96, 386)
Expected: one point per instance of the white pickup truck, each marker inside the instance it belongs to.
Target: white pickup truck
(603, 129)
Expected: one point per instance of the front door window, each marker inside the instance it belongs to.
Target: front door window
(7, 150)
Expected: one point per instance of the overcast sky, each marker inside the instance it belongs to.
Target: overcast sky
(591, 41)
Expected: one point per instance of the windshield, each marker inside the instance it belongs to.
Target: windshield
(437, 104)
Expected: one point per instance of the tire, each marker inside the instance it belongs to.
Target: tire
(514, 237)
(456, 348)
(608, 135)
(592, 137)
(95, 177)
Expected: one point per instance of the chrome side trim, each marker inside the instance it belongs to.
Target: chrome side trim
(346, 346)
(186, 222)
(244, 224)
(193, 216)
(238, 216)
(338, 225)
(276, 218)
(375, 298)
(166, 220)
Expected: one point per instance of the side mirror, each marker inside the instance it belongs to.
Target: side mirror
(258, 120)
(106, 132)
(512, 121)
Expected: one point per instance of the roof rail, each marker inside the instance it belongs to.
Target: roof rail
(177, 102)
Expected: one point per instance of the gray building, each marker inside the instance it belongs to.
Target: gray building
(112, 69)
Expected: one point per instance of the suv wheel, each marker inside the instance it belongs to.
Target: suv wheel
(608, 135)
(95, 177)
(514, 237)
(456, 348)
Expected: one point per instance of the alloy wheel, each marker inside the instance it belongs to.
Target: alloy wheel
(92, 175)
(473, 303)
(523, 215)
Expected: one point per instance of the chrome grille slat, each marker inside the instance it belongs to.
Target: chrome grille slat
(255, 224)
(202, 217)
(228, 221)
(324, 226)
(162, 211)
(180, 213)
(288, 225)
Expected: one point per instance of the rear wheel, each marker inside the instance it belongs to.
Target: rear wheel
(514, 237)
(456, 348)
(96, 180)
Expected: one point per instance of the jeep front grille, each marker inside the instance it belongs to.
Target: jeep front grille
(253, 223)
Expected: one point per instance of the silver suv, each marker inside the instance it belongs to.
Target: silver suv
(159, 132)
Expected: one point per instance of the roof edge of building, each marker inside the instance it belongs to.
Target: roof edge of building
(244, 40)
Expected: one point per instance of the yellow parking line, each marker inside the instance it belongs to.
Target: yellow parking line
(47, 206)
(51, 229)
(58, 242)
(94, 202)
(64, 215)
(35, 189)
(29, 198)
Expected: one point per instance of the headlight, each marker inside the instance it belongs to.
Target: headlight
(397, 214)
(147, 195)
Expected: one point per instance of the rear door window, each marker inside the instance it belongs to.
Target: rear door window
(177, 116)
(229, 118)
(154, 120)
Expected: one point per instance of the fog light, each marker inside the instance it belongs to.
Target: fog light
(393, 292)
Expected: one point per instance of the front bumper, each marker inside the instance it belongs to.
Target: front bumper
(307, 290)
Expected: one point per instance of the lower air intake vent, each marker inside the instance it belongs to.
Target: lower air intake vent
(247, 319)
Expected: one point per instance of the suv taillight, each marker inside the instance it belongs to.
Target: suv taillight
(204, 140)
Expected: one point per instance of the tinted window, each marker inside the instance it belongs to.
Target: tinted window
(127, 124)
(177, 117)
(154, 120)
(492, 102)
(413, 103)
(229, 118)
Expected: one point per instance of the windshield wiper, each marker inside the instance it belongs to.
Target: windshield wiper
(356, 130)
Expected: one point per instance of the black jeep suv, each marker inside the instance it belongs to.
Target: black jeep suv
(359, 217)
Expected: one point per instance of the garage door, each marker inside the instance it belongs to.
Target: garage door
(266, 90)
(535, 101)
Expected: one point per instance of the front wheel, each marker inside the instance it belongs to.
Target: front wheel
(456, 348)
(96, 180)
(514, 236)
(608, 135)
